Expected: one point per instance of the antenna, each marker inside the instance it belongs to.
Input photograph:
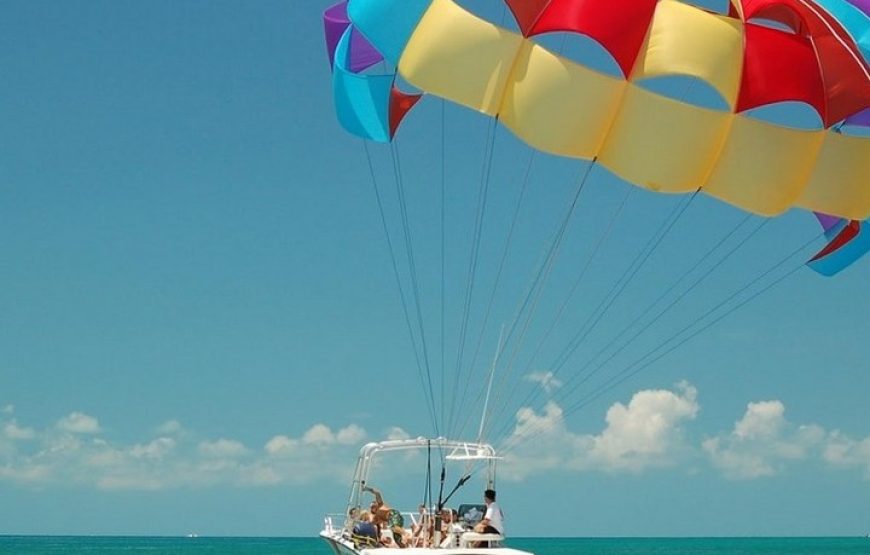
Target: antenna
(489, 385)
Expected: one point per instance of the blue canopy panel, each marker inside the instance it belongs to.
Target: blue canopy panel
(856, 22)
(362, 102)
(851, 243)
(387, 24)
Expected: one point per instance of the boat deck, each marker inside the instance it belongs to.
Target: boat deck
(343, 546)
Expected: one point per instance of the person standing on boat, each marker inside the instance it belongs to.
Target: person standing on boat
(386, 515)
(493, 519)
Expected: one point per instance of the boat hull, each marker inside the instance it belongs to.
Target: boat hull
(342, 546)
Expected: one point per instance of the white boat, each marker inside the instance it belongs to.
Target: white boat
(458, 539)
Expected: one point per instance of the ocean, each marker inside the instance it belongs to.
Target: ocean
(112, 545)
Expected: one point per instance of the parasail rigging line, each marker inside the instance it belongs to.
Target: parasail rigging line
(443, 256)
(624, 280)
(489, 388)
(673, 286)
(533, 395)
(627, 277)
(669, 223)
(501, 264)
(415, 288)
(641, 363)
(563, 306)
(661, 313)
(535, 289)
(625, 374)
(521, 307)
(499, 272)
(503, 257)
(402, 296)
(483, 190)
(427, 489)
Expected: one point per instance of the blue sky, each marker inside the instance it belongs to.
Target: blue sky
(200, 325)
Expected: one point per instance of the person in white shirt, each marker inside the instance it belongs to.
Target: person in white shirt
(493, 519)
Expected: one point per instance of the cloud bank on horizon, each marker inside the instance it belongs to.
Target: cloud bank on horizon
(647, 434)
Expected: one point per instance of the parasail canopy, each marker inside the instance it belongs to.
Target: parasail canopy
(758, 54)
(562, 107)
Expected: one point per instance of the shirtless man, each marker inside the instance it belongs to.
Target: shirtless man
(386, 515)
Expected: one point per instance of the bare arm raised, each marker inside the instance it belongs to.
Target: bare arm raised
(379, 499)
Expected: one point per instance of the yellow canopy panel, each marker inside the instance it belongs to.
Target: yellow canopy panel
(763, 168)
(461, 57)
(840, 181)
(662, 144)
(561, 107)
(684, 40)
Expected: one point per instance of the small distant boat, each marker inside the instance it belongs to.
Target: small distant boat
(431, 537)
(192, 535)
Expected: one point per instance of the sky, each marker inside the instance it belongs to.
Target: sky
(201, 324)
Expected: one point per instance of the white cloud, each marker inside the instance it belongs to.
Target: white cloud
(322, 435)
(645, 433)
(8, 409)
(649, 433)
(395, 433)
(350, 435)
(844, 452)
(74, 452)
(170, 427)
(79, 423)
(762, 442)
(280, 444)
(13, 431)
(762, 420)
(156, 449)
(319, 434)
(547, 380)
(33, 474)
(222, 448)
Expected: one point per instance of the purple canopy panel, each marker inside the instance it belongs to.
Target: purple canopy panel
(335, 21)
(827, 221)
(362, 54)
(831, 225)
(861, 119)
(863, 5)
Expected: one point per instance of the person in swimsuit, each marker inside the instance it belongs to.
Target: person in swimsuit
(384, 515)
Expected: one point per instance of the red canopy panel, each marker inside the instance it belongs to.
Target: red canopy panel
(526, 12)
(847, 234)
(845, 75)
(777, 67)
(400, 104)
(620, 26)
(775, 12)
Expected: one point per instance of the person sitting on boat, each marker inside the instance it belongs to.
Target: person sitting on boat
(422, 530)
(450, 528)
(365, 533)
(493, 519)
(386, 515)
(449, 520)
(351, 520)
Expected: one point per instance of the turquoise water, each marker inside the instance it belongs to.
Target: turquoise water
(86, 545)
